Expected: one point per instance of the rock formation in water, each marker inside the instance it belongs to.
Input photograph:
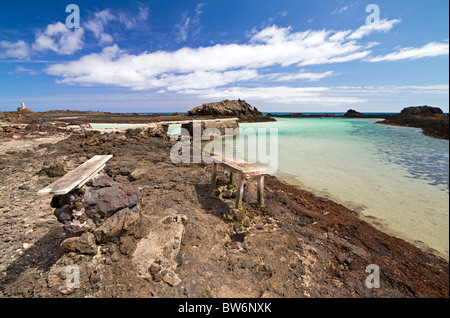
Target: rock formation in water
(226, 108)
(351, 113)
(431, 119)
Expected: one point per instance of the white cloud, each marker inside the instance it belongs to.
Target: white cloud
(272, 46)
(21, 69)
(101, 19)
(19, 50)
(131, 21)
(429, 50)
(299, 76)
(382, 26)
(340, 10)
(333, 96)
(60, 39)
(189, 24)
(280, 94)
(218, 65)
(97, 25)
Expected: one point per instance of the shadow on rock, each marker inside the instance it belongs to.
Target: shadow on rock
(211, 204)
(40, 256)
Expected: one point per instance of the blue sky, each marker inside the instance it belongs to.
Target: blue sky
(280, 56)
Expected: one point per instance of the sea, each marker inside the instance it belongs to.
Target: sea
(396, 178)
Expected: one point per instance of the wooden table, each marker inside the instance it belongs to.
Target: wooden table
(243, 169)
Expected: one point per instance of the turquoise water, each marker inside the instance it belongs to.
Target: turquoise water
(396, 177)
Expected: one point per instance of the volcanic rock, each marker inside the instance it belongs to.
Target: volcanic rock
(102, 211)
(226, 108)
(351, 113)
(432, 120)
(420, 111)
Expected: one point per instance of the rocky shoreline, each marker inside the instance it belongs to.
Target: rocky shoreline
(298, 245)
(431, 120)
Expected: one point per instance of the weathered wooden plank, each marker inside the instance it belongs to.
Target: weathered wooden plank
(90, 176)
(239, 166)
(76, 177)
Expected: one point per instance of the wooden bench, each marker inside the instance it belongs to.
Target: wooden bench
(77, 177)
(243, 169)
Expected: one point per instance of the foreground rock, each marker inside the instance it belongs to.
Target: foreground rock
(155, 255)
(432, 120)
(102, 211)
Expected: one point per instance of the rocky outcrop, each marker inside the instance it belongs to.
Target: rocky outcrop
(420, 111)
(102, 211)
(432, 120)
(24, 115)
(226, 108)
(351, 113)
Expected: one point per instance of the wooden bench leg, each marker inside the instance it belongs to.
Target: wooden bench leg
(213, 177)
(240, 191)
(232, 178)
(261, 190)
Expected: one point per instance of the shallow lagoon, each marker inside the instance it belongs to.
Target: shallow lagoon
(396, 177)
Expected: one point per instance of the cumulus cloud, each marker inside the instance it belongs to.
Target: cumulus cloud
(272, 46)
(429, 50)
(19, 50)
(60, 39)
(207, 71)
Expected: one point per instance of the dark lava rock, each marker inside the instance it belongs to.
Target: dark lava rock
(226, 108)
(432, 120)
(53, 171)
(421, 111)
(63, 214)
(351, 113)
